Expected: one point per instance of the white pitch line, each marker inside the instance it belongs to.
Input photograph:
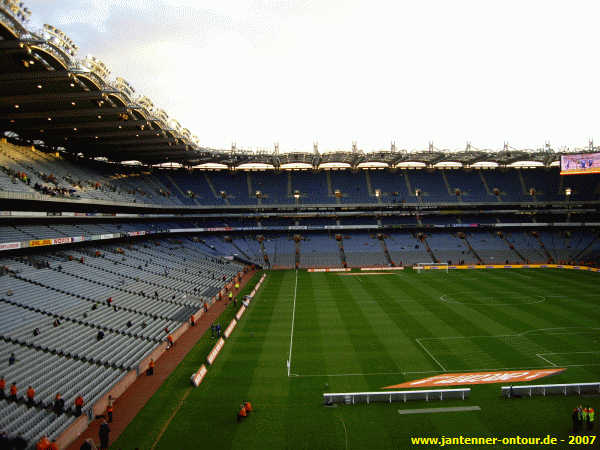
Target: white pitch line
(568, 353)
(545, 359)
(484, 369)
(350, 374)
(429, 353)
(439, 410)
(345, 431)
(289, 361)
(523, 333)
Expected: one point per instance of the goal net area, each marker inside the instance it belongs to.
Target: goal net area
(431, 266)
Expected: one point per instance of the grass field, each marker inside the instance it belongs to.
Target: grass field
(360, 333)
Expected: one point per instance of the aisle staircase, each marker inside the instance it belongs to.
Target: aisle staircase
(549, 257)
(428, 248)
(176, 186)
(386, 252)
(514, 249)
(342, 253)
(472, 250)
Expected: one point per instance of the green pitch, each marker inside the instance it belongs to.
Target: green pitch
(362, 332)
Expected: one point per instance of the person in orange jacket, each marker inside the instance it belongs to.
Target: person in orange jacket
(170, 341)
(241, 413)
(43, 443)
(53, 445)
(30, 396)
(13, 392)
(150, 369)
(78, 405)
(109, 409)
(2, 387)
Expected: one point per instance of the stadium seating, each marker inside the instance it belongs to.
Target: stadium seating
(63, 296)
(94, 180)
(157, 282)
(363, 250)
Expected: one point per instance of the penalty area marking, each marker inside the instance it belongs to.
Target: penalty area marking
(533, 331)
(431, 355)
(550, 331)
(539, 355)
(421, 372)
(439, 410)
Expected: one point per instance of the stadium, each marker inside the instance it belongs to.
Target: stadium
(364, 299)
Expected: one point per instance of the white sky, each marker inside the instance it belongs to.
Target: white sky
(260, 71)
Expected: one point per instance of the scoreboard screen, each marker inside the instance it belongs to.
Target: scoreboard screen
(577, 164)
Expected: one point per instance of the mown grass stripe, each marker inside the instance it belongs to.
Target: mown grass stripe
(230, 379)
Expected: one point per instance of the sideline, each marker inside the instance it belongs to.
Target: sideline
(289, 360)
(168, 422)
(439, 410)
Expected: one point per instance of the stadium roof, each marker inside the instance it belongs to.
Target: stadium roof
(51, 98)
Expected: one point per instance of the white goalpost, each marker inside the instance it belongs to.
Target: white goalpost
(431, 267)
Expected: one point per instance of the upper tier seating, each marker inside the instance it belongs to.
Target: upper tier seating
(26, 170)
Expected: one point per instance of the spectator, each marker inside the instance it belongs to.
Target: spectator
(170, 341)
(192, 321)
(129, 324)
(104, 433)
(13, 392)
(150, 369)
(2, 387)
(53, 445)
(30, 396)
(100, 335)
(36, 331)
(56, 323)
(88, 444)
(241, 413)
(43, 443)
(78, 405)
(59, 404)
(109, 409)
(11, 359)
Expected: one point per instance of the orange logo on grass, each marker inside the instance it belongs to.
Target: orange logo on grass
(457, 379)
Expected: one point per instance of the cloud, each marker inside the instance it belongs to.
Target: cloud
(261, 71)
